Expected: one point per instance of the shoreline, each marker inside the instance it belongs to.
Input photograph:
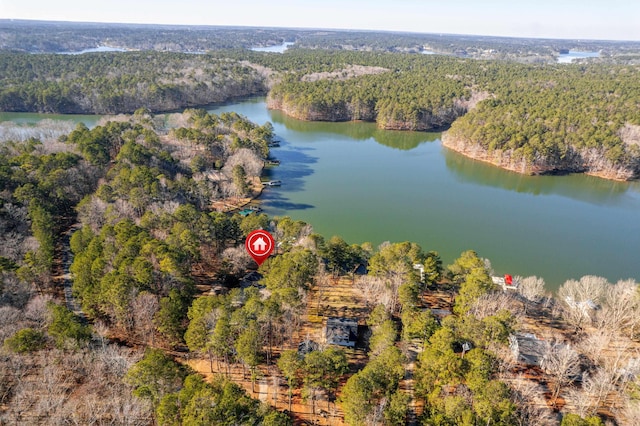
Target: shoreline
(229, 205)
(526, 170)
(346, 116)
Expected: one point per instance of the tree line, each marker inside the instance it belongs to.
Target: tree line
(113, 83)
(53, 37)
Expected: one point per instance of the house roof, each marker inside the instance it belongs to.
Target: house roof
(341, 331)
(527, 348)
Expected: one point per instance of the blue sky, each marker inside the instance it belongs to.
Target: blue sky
(586, 19)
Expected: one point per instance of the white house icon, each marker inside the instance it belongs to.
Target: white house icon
(259, 245)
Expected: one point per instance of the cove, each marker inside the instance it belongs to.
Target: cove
(366, 184)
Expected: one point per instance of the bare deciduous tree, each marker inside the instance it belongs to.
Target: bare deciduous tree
(620, 307)
(102, 330)
(528, 396)
(92, 213)
(36, 310)
(122, 209)
(562, 364)
(629, 414)
(591, 396)
(9, 321)
(594, 344)
(598, 385)
(581, 298)
(237, 258)
(76, 388)
(144, 308)
(11, 245)
(375, 291)
(45, 130)
(14, 229)
(13, 291)
(531, 288)
(249, 160)
(491, 303)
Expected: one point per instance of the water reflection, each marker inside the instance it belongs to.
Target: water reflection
(296, 164)
(34, 117)
(401, 188)
(356, 130)
(580, 187)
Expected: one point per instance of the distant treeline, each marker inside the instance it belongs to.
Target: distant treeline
(111, 83)
(53, 37)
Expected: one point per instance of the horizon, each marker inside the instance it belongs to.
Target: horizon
(545, 19)
(354, 30)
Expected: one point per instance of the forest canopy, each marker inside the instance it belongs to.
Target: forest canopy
(528, 118)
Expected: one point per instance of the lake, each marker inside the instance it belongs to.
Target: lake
(366, 184)
(99, 49)
(279, 48)
(567, 58)
(33, 117)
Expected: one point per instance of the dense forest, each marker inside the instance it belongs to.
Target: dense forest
(527, 118)
(161, 280)
(133, 276)
(112, 83)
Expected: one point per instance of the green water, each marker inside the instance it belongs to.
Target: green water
(366, 184)
(32, 117)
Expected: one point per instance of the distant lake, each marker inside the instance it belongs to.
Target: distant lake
(366, 184)
(280, 48)
(32, 118)
(567, 58)
(95, 50)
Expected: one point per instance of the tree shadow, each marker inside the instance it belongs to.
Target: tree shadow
(277, 204)
(295, 165)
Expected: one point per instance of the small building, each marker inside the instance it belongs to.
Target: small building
(527, 348)
(506, 283)
(341, 331)
(419, 267)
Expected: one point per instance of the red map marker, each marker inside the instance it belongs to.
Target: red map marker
(259, 245)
